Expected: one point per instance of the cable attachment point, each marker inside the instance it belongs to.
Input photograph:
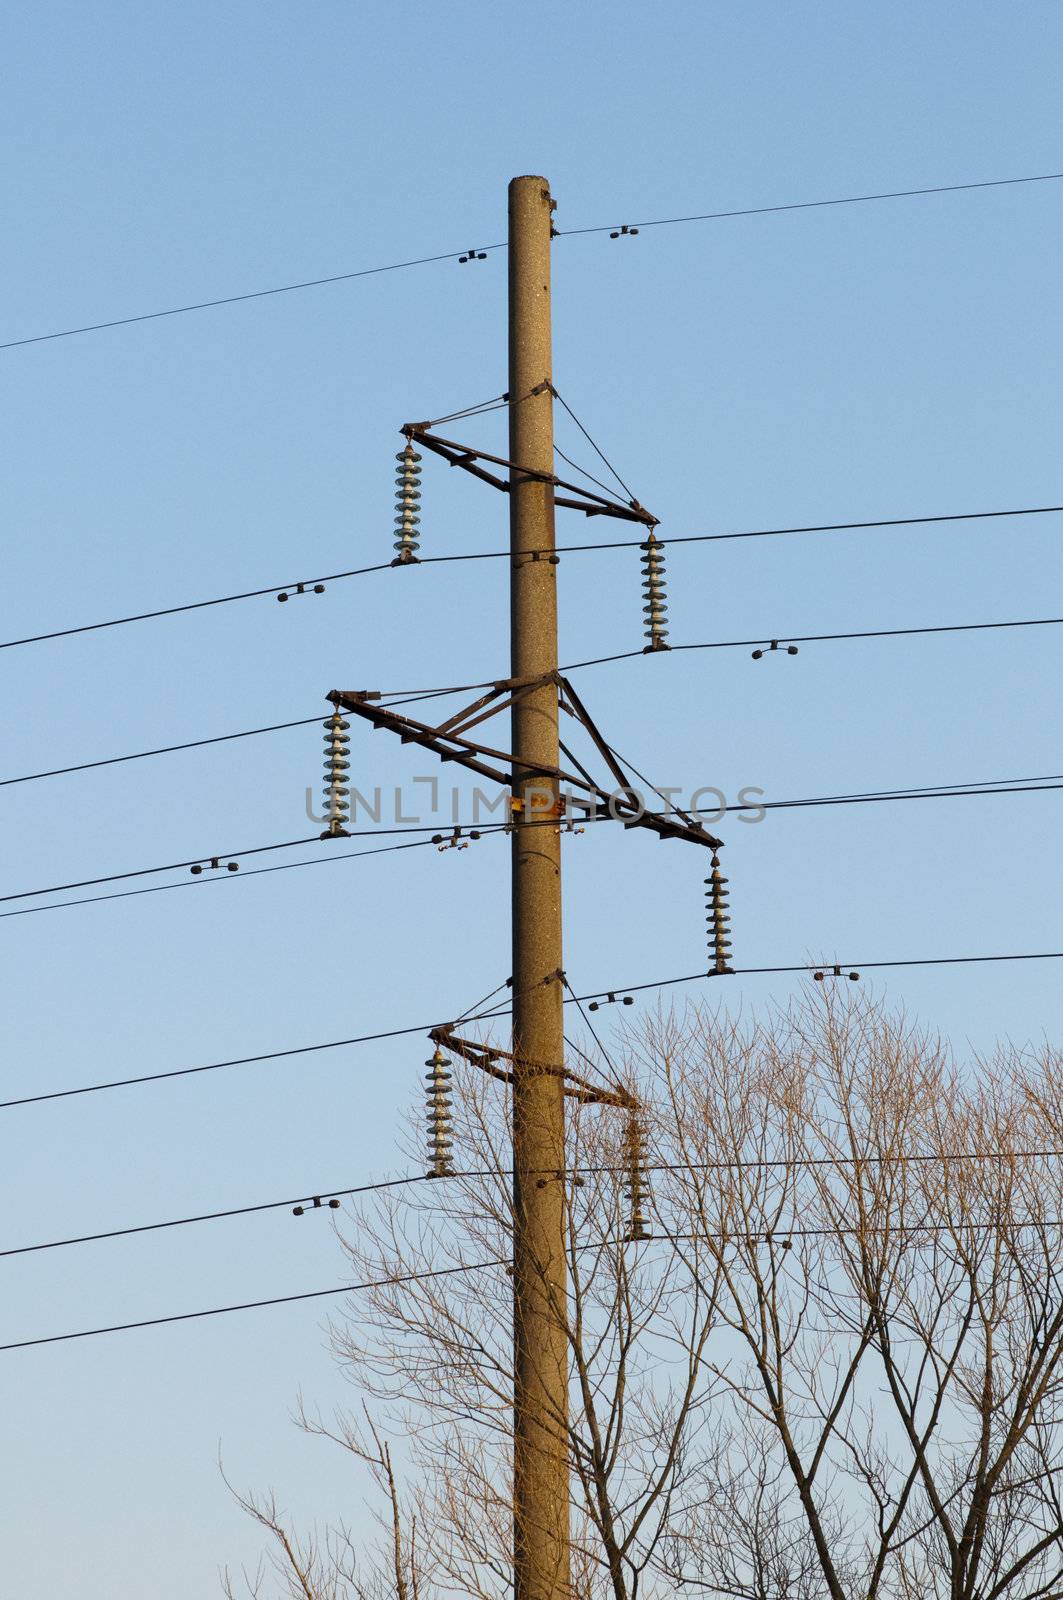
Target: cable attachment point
(301, 588)
(456, 841)
(653, 593)
(719, 922)
(440, 1123)
(637, 1190)
(407, 505)
(622, 231)
(215, 864)
(791, 650)
(835, 972)
(337, 771)
(611, 1000)
(473, 255)
(316, 1204)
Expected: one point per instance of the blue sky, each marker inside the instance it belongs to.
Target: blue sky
(886, 360)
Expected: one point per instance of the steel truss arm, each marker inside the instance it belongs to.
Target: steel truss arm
(464, 456)
(449, 744)
(486, 1058)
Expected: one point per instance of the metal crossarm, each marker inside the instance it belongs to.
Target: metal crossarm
(448, 742)
(486, 1058)
(469, 459)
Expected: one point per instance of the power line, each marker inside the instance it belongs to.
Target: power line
(220, 855)
(939, 792)
(814, 205)
(251, 1305)
(235, 299)
(1004, 786)
(500, 555)
(738, 1164)
(217, 1066)
(160, 750)
(406, 697)
(192, 605)
(145, 872)
(211, 1216)
(200, 882)
(827, 638)
(781, 1233)
(452, 255)
(815, 527)
(426, 1027)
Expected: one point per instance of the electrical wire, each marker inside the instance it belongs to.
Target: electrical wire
(1046, 785)
(814, 205)
(779, 1233)
(393, 698)
(199, 882)
(192, 605)
(775, 533)
(211, 1216)
(452, 255)
(426, 1027)
(235, 299)
(160, 750)
(820, 638)
(562, 549)
(942, 792)
(738, 1164)
(145, 872)
(252, 1305)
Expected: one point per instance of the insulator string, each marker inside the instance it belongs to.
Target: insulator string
(407, 506)
(637, 1190)
(655, 609)
(337, 776)
(719, 921)
(440, 1118)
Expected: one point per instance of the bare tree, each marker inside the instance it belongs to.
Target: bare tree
(835, 1369)
(886, 1232)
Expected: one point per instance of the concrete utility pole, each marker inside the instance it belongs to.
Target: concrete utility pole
(540, 1341)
